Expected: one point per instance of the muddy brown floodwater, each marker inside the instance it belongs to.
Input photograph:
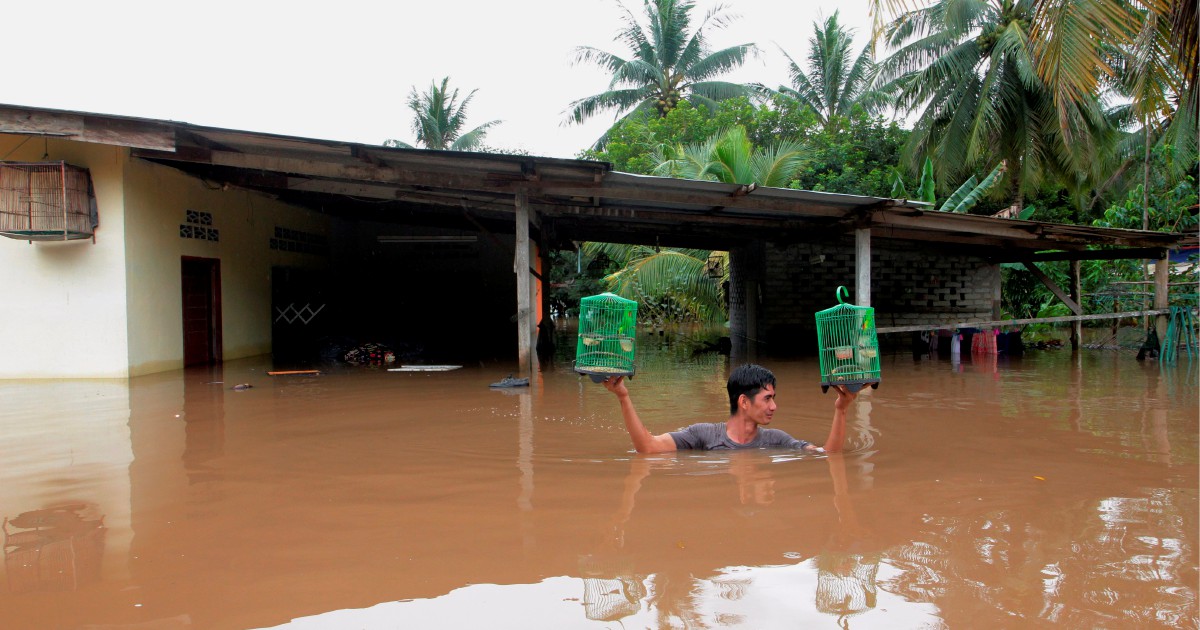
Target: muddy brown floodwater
(1013, 493)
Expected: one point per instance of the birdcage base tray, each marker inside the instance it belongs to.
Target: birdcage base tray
(852, 386)
(599, 374)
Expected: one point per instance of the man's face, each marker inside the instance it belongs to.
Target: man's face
(761, 407)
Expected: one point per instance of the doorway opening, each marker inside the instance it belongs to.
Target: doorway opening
(201, 310)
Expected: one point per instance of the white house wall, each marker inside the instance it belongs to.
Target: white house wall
(157, 199)
(113, 309)
(62, 304)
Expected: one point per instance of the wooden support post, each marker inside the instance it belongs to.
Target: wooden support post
(1162, 299)
(862, 266)
(1076, 290)
(521, 268)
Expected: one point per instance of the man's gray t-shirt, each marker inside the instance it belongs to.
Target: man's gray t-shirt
(711, 436)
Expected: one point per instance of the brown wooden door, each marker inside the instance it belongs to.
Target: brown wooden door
(201, 311)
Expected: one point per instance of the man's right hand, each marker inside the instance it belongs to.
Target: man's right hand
(845, 397)
(616, 385)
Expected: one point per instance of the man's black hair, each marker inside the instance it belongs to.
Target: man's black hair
(748, 379)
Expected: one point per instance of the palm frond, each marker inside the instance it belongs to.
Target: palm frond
(777, 165)
(585, 108)
(473, 139)
(674, 274)
(719, 62)
(596, 57)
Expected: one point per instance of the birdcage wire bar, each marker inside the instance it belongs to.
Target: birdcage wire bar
(45, 201)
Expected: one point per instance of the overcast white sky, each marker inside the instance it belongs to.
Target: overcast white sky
(342, 70)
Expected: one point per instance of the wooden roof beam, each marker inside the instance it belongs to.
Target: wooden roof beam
(88, 128)
(701, 200)
(358, 171)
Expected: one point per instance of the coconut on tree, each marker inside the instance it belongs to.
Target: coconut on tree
(668, 61)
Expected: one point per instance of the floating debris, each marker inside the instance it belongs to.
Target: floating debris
(509, 381)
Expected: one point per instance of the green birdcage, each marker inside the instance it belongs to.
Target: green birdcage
(607, 336)
(848, 345)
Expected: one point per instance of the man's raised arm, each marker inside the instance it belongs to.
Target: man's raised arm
(837, 431)
(643, 441)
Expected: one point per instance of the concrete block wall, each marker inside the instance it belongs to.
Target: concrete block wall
(910, 286)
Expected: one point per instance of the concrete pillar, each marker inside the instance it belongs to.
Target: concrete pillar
(524, 295)
(862, 266)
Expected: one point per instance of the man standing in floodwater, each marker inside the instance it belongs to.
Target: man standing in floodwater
(751, 406)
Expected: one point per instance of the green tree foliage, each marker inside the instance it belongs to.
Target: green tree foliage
(676, 285)
(855, 155)
(668, 62)
(836, 80)
(440, 120)
(633, 142)
(1171, 208)
(1141, 54)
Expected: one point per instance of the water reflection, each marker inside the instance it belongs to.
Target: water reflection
(846, 566)
(55, 548)
(204, 421)
(849, 564)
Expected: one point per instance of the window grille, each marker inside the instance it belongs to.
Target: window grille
(46, 201)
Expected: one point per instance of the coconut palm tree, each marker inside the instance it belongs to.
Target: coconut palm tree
(439, 120)
(966, 66)
(1146, 50)
(1073, 44)
(668, 62)
(836, 80)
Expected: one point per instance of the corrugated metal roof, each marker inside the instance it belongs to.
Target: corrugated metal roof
(570, 199)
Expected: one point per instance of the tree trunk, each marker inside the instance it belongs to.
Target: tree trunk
(1146, 206)
(1016, 197)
